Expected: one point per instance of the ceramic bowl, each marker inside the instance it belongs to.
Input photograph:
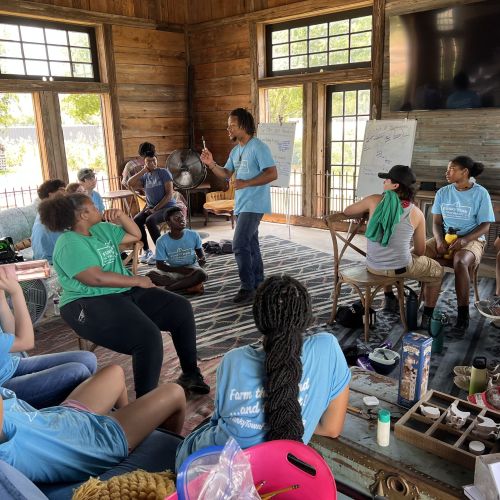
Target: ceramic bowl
(383, 360)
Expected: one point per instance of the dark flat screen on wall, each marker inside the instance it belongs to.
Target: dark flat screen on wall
(448, 58)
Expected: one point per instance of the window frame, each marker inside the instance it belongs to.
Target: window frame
(40, 23)
(305, 22)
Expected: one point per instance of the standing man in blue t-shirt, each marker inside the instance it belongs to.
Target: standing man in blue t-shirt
(159, 188)
(254, 170)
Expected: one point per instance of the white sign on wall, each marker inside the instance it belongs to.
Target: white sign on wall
(279, 138)
(387, 143)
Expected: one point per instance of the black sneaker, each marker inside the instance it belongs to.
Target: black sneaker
(425, 323)
(244, 296)
(460, 328)
(193, 382)
(391, 304)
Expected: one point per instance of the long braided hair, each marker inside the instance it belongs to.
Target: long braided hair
(282, 311)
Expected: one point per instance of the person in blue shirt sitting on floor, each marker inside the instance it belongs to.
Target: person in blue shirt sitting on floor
(43, 380)
(81, 438)
(88, 180)
(179, 255)
(466, 207)
(43, 240)
(292, 386)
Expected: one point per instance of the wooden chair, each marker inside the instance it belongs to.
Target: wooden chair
(366, 284)
(220, 203)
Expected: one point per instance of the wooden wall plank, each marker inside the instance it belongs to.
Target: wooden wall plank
(136, 92)
(146, 38)
(152, 75)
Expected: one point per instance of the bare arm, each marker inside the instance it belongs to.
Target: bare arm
(332, 420)
(95, 276)
(473, 235)
(24, 337)
(437, 232)
(169, 190)
(208, 160)
(135, 181)
(116, 216)
(201, 256)
(419, 233)
(367, 204)
(265, 177)
(6, 317)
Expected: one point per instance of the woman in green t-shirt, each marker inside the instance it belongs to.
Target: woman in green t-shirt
(104, 303)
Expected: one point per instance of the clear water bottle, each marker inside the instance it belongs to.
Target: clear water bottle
(56, 304)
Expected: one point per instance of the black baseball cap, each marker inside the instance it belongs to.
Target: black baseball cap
(400, 174)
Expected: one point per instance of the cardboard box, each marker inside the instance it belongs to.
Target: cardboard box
(414, 368)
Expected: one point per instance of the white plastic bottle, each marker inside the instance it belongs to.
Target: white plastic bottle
(383, 427)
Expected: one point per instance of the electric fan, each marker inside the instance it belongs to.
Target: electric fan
(188, 172)
(36, 295)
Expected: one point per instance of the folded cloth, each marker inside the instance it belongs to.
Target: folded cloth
(387, 214)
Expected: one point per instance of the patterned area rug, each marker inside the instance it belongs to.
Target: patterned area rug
(222, 325)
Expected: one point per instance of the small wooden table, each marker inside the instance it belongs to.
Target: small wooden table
(398, 471)
(122, 197)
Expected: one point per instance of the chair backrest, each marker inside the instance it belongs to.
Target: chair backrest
(339, 222)
(229, 194)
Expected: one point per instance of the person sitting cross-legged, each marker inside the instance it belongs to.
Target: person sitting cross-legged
(179, 256)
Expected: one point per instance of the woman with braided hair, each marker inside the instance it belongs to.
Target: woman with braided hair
(292, 386)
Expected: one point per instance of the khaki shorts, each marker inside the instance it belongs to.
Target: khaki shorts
(421, 268)
(476, 247)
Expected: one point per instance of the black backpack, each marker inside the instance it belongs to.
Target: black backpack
(352, 316)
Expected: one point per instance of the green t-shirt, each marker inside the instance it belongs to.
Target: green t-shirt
(74, 253)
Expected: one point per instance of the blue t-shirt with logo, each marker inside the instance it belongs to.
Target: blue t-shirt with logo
(43, 241)
(8, 362)
(247, 162)
(177, 253)
(154, 186)
(97, 200)
(59, 443)
(239, 398)
(463, 210)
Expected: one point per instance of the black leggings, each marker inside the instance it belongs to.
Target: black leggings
(131, 323)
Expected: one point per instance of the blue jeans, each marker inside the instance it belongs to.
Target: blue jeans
(247, 251)
(46, 380)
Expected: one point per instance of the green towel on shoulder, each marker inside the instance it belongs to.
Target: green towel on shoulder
(387, 214)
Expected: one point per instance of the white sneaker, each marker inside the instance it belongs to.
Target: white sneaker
(146, 255)
(152, 260)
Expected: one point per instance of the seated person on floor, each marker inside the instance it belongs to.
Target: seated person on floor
(43, 380)
(105, 304)
(466, 207)
(159, 188)
(43, 240)
(75, 187)
(179, 255)
(394, 221)
(292, 386)
(88, 180)
(81, 438)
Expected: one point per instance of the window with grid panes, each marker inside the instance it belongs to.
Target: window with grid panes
(36, 50)
(326, 42)
(348, 111)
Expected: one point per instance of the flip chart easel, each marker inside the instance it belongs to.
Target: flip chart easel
(387, 143)
(280, 138)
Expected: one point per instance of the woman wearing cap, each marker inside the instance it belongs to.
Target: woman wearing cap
(88, 181)
(394, 221)
(466, 207)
